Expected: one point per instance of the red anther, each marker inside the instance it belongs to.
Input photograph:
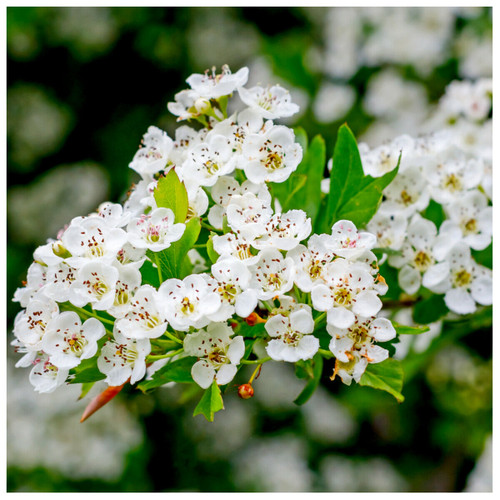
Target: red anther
(245, 391)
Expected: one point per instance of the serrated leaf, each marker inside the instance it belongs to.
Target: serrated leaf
(210, 403)
(409, 330)
(173, 261)
(312, 384)
(171, 193)
(353, 195)
(176, 371)
(429, 310)
(386, 376)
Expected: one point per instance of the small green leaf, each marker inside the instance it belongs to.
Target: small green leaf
(435, 213)
(171, 193)
(173, 261)
(149, 274)
(409, 330)
(210, 403)
(385, 376)
(429, 310)
(85, 389)
(312, 384)
(212, 254)
(87, 372)
(176, 371)
(353, 195)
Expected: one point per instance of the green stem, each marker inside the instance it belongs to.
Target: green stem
(268, 306)
(86, 314)
(209, 227)
(157, 260)
(325, 353)
(319, 319)
(173, 337)
(255, 361)
(163, 356)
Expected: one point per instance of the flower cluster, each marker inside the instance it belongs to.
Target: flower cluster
(448, 171)
(87, 299)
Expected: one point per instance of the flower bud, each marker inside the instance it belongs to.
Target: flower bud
(253, 319)
(245, 391)
(202, 105)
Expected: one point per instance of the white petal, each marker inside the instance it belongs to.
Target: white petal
(340, 317)
(203, 374)
(459, 301)
(236, 350)
(246, 303)
(382, 330)
(225, 374)
(409, 279)
(308, 346)
(302, 321)
(275, 348)
(367, 304)
(481, 290)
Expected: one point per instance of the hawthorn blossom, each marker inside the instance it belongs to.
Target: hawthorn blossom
(348, 291)
(35, 281)
(128, 281)
(461, 279)
(67, 341)
(45, 376)
(94, 284)
(144, 317)
(59, 279)
(389, 228)
(291, 336)
(348, 242)
(231, 281)
(271, 102)
(285, 231)
(153, 154)
(273, 274)
(230, 245)
(122, 359)
(248, 215)
(218, 354)
(90, 238)
(189, 302)
(213, 86)
(271, 156)
(155, 231)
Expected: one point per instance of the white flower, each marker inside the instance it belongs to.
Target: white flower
(271, 156)
(350, 243)
(271, 102)
(67, 341)
(273, 275)
(248, 215)
(155, 231)
(45, 376)
(197, 200)
(229, 245)
(208, 161)
(95, 284)
(310, 262)
(129, 280)
(349, 291)
(231, 280)
(91, 238)
(113, 214)
(144, 317)
(188, 303)
(212, 86)
(417, 254)
(285, 231)
(461, 279)
(153, 156)
(35, 280)
(291, 336)
(470, 220)
(188, 104)
(389, 228)
(60, 277)
(218, 354)
(30, 324)
(360, 337)
(123, 358)
(129, 255)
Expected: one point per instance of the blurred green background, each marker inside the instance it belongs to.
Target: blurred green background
(83, 86)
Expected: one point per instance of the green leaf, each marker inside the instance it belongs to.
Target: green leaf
(484, 257)
(149, 274)
(385, 376)
(173, 261)
(212, 254)
(85, 389)
(353, 195)
(409, 330)
(171, 193)
(87, 372)
(429, 310)
(312, 384)
(210, 403)
(176, 371)
(435, 213)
